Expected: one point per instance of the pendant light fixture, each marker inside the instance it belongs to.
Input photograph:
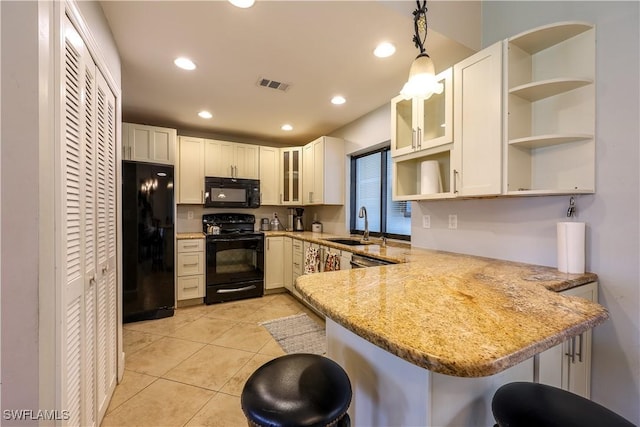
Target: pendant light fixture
(422, 81)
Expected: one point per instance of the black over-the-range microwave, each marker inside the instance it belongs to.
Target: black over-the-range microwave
(231, 192)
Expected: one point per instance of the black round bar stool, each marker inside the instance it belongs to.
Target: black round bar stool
(524, 404)
(297, 390)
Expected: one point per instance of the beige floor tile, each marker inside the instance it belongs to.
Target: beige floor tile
(244, 336)
(193, 312)
(131, 384)
(135, 340)
(163, 403)
(163, 327)
(204, 329)
(271, 312)
(236, 383)
(237, 310)
(272, 348)
(221, 411)
(211, 367)
(160, 356)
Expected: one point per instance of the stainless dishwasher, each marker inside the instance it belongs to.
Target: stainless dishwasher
(361, 261)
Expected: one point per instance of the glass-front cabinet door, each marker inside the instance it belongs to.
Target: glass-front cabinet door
(419, 124)
(291, 165)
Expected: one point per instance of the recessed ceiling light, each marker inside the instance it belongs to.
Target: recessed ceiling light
(205, 114)
(162, 174)
(243, 4)
(286, 127)
(384, 50)
(185, 63)
(338, 100)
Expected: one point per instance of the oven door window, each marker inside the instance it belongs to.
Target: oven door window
(234, 260)
(228, 195)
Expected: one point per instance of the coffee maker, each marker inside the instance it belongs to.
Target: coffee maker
(297, 220)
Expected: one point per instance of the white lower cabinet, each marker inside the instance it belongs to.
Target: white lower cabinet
(288, 263)
(190, 269)
(568, 365)
(274, 263)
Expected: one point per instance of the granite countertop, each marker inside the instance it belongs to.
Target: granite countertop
(184, 236)
(454, 314)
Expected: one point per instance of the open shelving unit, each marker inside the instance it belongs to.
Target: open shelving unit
(550, 110)
(407, 175)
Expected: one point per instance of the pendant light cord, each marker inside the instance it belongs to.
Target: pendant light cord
(420, 23)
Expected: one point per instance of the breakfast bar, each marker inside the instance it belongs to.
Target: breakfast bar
(428, 341)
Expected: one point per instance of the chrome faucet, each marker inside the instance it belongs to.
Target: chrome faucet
(363, 214)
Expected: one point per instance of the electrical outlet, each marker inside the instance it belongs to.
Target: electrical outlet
(426, 221)
(189, 214)
(453, 221)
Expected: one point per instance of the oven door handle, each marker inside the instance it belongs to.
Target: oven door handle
(236, 239)
(229, 291)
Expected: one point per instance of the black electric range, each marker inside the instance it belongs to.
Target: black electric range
(235, 257)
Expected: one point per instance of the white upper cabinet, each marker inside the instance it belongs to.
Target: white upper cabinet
(420, 124)
(190, 171)
(291, 176)
(269, 176)
(230, 159)
(550, 110)
(152, 144)
(477, 169)
(323, 172)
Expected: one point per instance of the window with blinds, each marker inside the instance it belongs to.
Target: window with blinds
(371, 188)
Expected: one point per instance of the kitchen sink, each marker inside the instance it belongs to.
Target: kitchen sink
(347, 241)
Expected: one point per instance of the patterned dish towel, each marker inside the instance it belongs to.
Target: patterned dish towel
(311, 260)
(332, 263)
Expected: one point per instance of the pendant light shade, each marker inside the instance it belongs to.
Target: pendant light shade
(422, 81)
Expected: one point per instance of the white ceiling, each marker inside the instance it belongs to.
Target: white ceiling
(320, 48)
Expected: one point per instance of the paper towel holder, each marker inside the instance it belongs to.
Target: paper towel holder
(571, 211)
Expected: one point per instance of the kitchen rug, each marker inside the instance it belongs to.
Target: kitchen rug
(298, 334)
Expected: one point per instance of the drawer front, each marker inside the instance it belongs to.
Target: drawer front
(190, 287)
(190, 263)
(297, 246)
(190, 245)
(297, 267)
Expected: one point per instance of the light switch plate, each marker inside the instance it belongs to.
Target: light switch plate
(426, 221)
(189, 214)
(453, 221)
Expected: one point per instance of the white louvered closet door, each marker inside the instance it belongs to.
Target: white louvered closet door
(76, 377)
(88, 315)
(106, 238)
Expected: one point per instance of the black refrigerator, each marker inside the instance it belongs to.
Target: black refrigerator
(147, 241)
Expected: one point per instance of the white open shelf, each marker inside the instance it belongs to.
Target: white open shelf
(541, 38)
(536, 91)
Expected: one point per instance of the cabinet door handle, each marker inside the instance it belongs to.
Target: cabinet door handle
(413, 139)
(190, 264)
(419, 140)
(190, 246)
(201, 196)
(455, 181)
(580, 338)
(281, 198)
(571, 354)
(190, 287)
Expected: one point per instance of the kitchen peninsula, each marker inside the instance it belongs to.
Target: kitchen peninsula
(427, 341)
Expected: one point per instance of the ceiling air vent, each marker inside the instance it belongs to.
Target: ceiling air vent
(273, 84)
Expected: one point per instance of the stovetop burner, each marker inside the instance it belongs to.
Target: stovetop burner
(229, 224)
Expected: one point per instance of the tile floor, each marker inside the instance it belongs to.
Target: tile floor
(189, 369)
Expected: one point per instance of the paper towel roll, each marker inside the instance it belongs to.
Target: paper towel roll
(430, 182)
(571, 247)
